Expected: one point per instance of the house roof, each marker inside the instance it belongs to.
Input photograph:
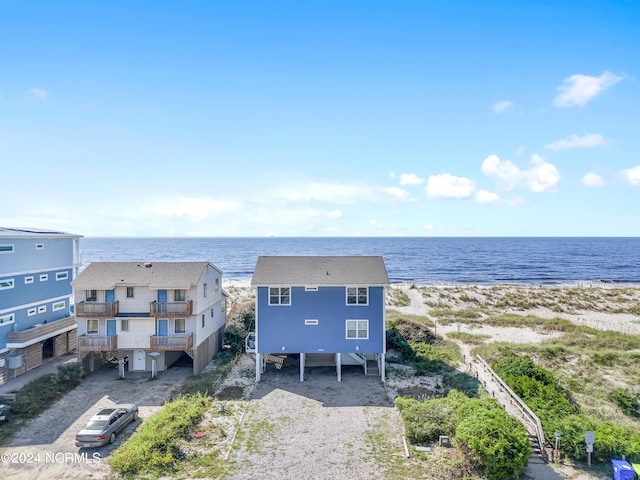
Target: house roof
(155, 275)
(34, 232)
(319, 271)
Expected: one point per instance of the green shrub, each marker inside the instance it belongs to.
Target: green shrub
(426, 421)
(38, 394)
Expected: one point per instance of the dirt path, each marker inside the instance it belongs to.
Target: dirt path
(317, 429)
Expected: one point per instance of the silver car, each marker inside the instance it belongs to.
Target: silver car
(105, 425)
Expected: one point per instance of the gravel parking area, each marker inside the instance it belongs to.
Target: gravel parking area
(45, 446)
(317, 429)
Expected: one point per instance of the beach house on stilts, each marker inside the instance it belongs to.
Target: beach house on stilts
(322, 310)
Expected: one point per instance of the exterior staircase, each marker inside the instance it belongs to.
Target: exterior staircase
(372, 367)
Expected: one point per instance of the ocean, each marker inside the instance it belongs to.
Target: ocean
(422, 260)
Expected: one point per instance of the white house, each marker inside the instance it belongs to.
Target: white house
(131, 309)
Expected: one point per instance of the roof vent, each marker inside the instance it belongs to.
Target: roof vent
(148, 265)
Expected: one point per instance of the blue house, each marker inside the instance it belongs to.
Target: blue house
(36, 297)
(325, 310)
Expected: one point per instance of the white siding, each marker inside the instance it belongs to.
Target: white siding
(139, 334)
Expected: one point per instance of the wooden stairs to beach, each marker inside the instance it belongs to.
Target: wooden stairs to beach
(537, 454)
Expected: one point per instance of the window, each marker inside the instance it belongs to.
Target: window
(203, 320)
(39, 246)
(180, 325)
(311, 321)
(7, 283)
(28, 280)
(357, 296)
(91, 295)
(124, 325)
(358, 329)
(92, 326)
(42, 309)
(31, 312)
(58, 306)
(212, 313)
(217, 284)
(179, 295)
(204, 294)
(62, 275)
(44, 277)
(279, 296)
(6, 248)
(129, 292)
(7, 319)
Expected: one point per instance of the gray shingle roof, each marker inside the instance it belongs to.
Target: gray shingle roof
(34, 232)
(155, 275)
(319, 270)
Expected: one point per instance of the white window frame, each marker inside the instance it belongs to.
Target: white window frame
(7, 319)
(42, 309)
(28, 280)
(39, 246)
(97, 329)
(310, 289)
(124, 325)
(58, 306)
(217, 284)
(357, 328)
(179, 295)
(280, 296)
(89, 297)
(311, 321)
(7, 283)
(204, 290)
(184, 325)
(62, 276)
(132, 291)
(44, 277)
(32, 311)
(357, 295)
(6, 248)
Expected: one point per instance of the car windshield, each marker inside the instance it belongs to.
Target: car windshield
(95, 425)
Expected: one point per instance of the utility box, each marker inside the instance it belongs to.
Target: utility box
(622, 470)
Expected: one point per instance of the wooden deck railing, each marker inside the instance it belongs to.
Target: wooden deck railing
(171, 309)
(93, 343)
(172, 342)
(97, 309)
(46, 329)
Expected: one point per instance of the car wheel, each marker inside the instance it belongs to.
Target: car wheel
(112, 437)
(135, 415)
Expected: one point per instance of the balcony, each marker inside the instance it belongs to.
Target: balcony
(32, 335)
(94, 343)
(171, 309)
(172, 342)
(97, 309)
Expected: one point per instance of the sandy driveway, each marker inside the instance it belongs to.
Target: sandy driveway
(45, 448)
(317, 429)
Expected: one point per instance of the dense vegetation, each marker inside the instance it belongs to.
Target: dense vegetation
(493, 439)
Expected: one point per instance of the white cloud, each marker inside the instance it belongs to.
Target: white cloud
(592, 180)
(410, 179)
(577, 141)
(400, 194)
(631, 176)
(334, 213)
(579, 89)
(196, 209)
(330, 192)
(507, 173)
(40, 93)
(448, 186)
(502, 106)
(487, 198)
(541, 177)
(428, 227)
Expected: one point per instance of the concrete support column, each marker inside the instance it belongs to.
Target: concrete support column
(339, 366)
(302, 355)
(382, 362)
(258, 366)
(92, 365)
(121, 367)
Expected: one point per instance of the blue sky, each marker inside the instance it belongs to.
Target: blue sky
(332, 118)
